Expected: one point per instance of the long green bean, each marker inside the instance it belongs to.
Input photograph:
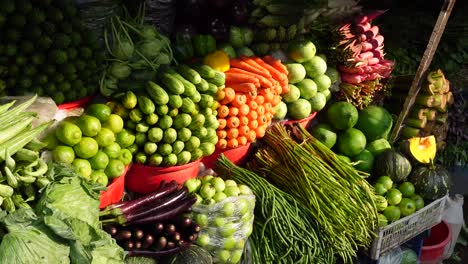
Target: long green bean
(337, 196)
(285, 230)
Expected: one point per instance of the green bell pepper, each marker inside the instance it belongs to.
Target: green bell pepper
(183, 50)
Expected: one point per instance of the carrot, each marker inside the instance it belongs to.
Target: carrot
(242, 140)
(244, 120)
(244, 110)
(276, 100)
(252, 115)
(234, 77)
(262, 120)
(232, 133)
(278, 89)
(223, 111)
(251, 62)
(244, 130)
(260, 99)
(264, 81)
(220, 94)
(239, 100)
(251, 96)
(233, 111)
(260, 110)
(243, 87)
(222, 123)
(268, 107)
(284, 87)
(268, 95)
(269, 116)
(221, 133)
(253, 124)
(252, 104)
(274, 72)
(222, 143)
(232, 143)
(229, 95)
(240, 64)
(260, 131)
(276, 64)
(232, 122)
(251, 136)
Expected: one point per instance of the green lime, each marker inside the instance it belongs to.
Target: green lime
(323, 82)
(351, 142)
(89, 125)
(317, 102)
(325, 134)
(125, 156)
(365, 161)
(113, 150)
(115, 168)
(342, 115)
(82, 167)
(99, 161)
(68, 133)
(86, 148)
(100, 111)
(63, 154)
(124, 138)
(98, 176)
(51, 141)
(114, 123)
(105, 137)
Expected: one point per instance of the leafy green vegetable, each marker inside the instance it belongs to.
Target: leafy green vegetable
(30, 241)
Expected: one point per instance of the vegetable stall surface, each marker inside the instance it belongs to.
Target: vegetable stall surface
(342, 201)
(48, 50)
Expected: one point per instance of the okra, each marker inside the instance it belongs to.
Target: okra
(6, 191)
(11, 179)
(5, 107)
(8, 205)
(25, 179)
(9, 161)
(18, 109)
(14, 129)
(21, 140)
(1, 200)
(42, 182)
(16, 119)
(19, 202)
(30, 192)
(35, 145)
(39, 172)
(26, 155)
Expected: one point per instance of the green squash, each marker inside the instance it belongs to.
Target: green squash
(193, 255)
(431, 182)
(392, 163)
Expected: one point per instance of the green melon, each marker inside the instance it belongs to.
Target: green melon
(375, 122)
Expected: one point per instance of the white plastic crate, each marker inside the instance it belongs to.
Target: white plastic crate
(399, 232)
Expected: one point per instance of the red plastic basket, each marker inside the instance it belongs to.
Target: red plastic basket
(145, 179)
(75, 104)
(305, 122)
(114, 191)
(236, 155)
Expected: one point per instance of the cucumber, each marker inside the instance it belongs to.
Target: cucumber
(172, 84)
(218, 80)
(157, 93)
(203, 86)
(205, 71)
(190, 74)
(146, 105)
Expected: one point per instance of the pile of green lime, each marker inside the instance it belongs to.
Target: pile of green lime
(309, 82)
(95, 144)
(341, 133)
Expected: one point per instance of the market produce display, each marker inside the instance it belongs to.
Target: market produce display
(48, 51)
(361, 61)
(173, 117)
(22, 171)
(247, 104)
(224, 211)
(95, 144)
(295, 160)
(308, 89)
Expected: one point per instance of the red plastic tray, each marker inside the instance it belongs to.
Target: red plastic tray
(305, 122)
(236, 155)
(114, 191)
(145, 179)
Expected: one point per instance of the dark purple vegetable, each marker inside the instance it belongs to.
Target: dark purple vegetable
(138, 234)
(137, 244)
(181, 242)
(170, 245)
(170, 229)
(186, 222)
(148, 241)
(159, 227)
(141, 202)
(112, 230)
(193, 237)
(162, 243)
(123, 235)
(168, 201)
(240, 12)
(176, 237)
(196, 228)
(162, 253)
(129, 245)
(218, 29)
(174, 211)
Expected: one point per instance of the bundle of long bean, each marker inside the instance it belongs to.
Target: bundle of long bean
(283, 231)
(336, 194)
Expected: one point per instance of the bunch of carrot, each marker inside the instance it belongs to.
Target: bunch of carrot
(253, 88)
